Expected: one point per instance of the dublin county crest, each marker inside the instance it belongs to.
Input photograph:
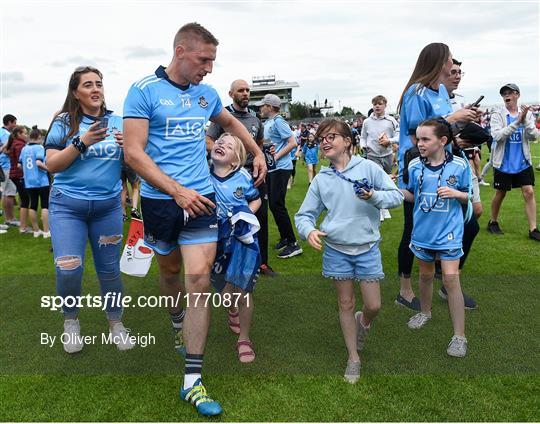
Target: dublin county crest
(202, 102)
(239, 193)
(452, 180)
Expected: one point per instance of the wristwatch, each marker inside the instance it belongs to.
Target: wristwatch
(79, 145)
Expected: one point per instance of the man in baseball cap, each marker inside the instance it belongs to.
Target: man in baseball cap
(513, 128)
(278, 132)
(270, 100)
(509, 86)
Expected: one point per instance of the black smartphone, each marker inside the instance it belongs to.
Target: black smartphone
(103, 123)
(477, 103)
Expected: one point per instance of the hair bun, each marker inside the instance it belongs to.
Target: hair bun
(34, 127)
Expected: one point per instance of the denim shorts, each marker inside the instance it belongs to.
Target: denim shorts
(365, 266)
(429, 255)
(167, 225)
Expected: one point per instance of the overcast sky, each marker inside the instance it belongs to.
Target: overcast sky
(346, 52)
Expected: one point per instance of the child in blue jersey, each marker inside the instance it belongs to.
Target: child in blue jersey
(235, 271)
(84, 156)
(439, 187)
(311, 156)
(36, 181)
(352, 191)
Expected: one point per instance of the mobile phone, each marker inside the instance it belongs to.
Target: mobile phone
(103, 123)
(477, 103)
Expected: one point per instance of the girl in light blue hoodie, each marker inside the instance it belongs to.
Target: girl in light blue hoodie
(352, 191)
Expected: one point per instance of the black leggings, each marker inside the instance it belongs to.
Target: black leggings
(23, 193)
(405, 255)
(293, 173)
(37, 194)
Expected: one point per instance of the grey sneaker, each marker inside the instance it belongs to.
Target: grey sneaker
(457, 347)
(120, 337)
(352, 372)
(71, 339)
(361, 332)
(418, 320)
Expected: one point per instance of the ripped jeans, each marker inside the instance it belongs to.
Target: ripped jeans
(73, 222)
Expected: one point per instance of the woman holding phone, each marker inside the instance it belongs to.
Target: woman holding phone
(83, 151)
(424, 97)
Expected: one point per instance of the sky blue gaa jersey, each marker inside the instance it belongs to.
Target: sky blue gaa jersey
(234, 190)
(277, 130)
(419, 104)
(442, 227)
(311, 153)
(95, 174)
(4, 159)
(34, 176)
(514, 160)
(177, 116)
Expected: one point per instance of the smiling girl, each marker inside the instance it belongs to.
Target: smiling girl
(85, 198)
(352, 191)
(237, 262)
(438, 186)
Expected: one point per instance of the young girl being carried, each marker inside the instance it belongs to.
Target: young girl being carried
(238, 258)
(438, 185)
(352, 191)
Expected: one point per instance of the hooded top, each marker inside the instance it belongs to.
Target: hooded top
(350, 221)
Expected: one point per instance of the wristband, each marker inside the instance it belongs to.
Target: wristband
(79, 145)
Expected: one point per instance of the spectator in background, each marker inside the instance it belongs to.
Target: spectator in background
(379, 132)
(36, 181)
(279, 133)
(8, 189)
(513, 128)
(14, 146)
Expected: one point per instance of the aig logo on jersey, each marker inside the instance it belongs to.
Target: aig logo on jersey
(430, 201)
(239, 193)
(202, 102)
(184, 128)
(104, 150)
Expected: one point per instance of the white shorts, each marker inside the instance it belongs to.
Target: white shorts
(8, 187)
(475, 190)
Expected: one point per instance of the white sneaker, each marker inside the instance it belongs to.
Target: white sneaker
(38, 233)
(457, 347)
(483, 183)
(418, 320)
(13, 223)
(4, 227)
(3, 231)
(120, 337)
(46, 234)
(352, 372)
(386, 213)
(71, 338)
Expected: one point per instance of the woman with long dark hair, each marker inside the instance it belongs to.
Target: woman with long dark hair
(424, 97)
(83, 151)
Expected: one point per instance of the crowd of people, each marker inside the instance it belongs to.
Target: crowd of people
(205, 194)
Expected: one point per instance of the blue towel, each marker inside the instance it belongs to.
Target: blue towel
(238, 258)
